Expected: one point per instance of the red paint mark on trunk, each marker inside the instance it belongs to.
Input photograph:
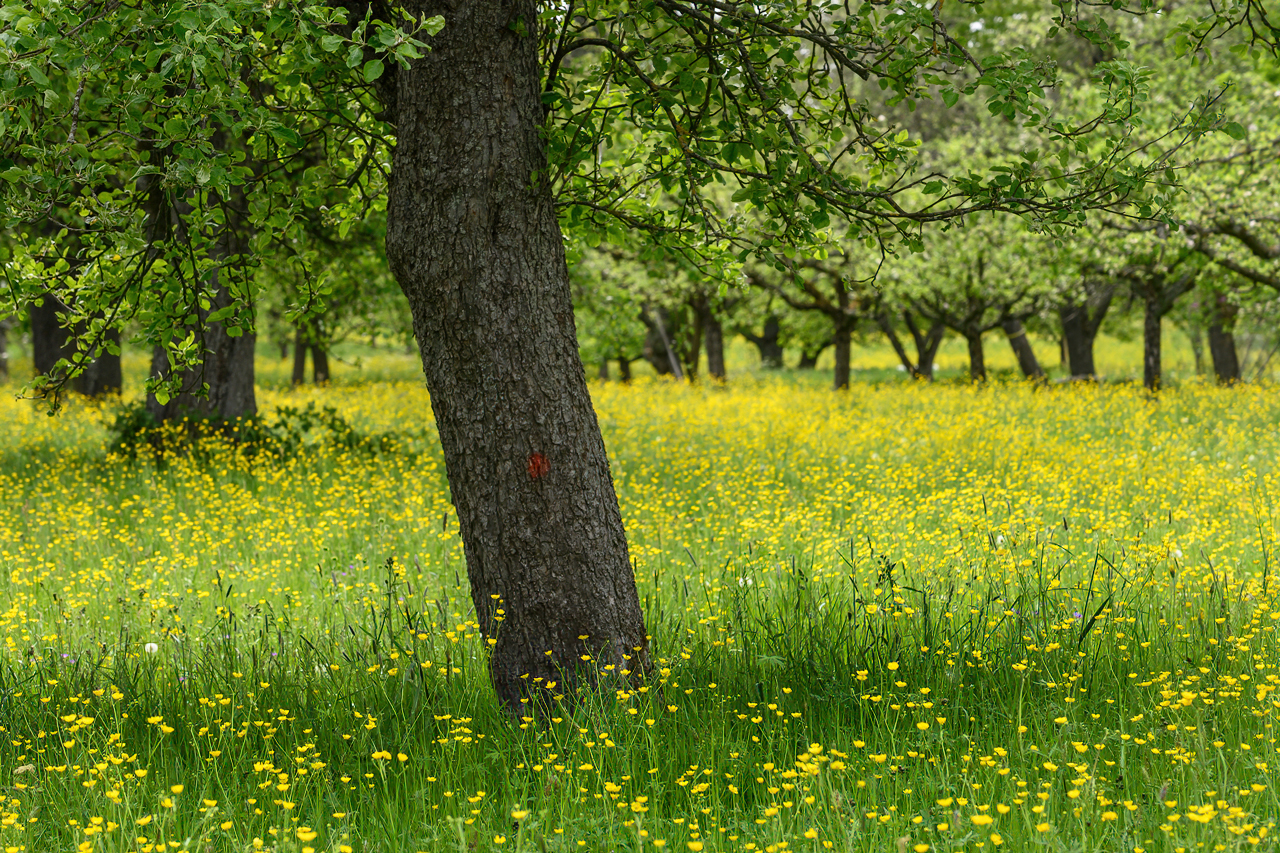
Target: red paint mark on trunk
(538, 465)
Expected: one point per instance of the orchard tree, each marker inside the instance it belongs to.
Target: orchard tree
(975, 280)
(168, 135)
(833, 287)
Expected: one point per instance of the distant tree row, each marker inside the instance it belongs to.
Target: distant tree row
(989, 279)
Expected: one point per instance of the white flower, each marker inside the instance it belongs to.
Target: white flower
(151, 648)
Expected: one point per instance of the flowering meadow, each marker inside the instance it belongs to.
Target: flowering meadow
(906, 617)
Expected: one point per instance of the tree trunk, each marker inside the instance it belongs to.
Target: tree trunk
(692, 353)
(767, 343)
(1222, 347)
(603, 373)
(713, 336)
(1027, 361)
(977, 360)
(319, 364)
(1151, 344)
(809, 357)
(227, 371)
(1079, 343)
(474, 242)
(1196, 338)
(843, 343)
(299, 356)
(104, 374)
(658, 350)
(5, 324)
(48, 336)
(50, 341)
(927, 345)
(624, 369)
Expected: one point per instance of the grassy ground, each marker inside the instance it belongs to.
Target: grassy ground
(902, 618)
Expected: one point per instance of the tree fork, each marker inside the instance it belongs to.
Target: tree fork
(474, 242)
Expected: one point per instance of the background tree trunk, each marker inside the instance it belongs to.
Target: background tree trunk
(299, 356)
(1027, 361)
(104, 374)
(658, 349)
(603, 372)
(1151, 343)
(843, 342)
(1081, 322)
(713, 336)
(691, 353)
(1079, 343)
(5, 325)
(1222, 347)
(767, 343)
(927, 344)
(227, 370)
(48, 337)
(1195, 336)
(977, 360)
(50, 341)
(809, 357)
(624, 369)
(474, 242)
(319, 364)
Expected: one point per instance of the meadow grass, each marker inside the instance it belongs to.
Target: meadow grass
(900, 618)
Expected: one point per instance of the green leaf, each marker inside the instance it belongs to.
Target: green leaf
(373, 70)
(331, 43)
(285, 134)
(37, 77)
(949, 97)
(1234, 129)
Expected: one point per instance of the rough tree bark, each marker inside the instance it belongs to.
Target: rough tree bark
(474, 242)
(1027, 361)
